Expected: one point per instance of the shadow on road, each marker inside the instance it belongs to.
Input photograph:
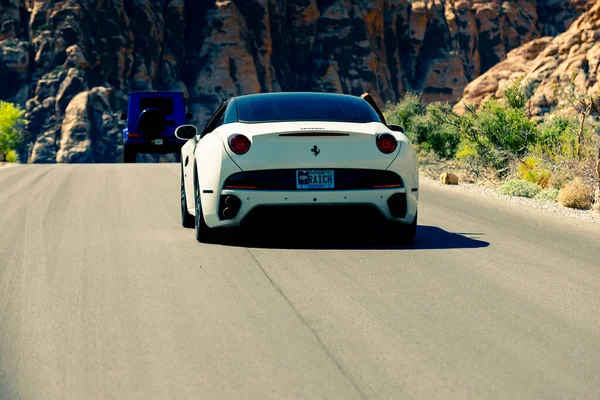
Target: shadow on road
(427, 238)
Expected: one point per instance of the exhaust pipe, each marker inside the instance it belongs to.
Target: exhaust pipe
(397, 205)
(230, 201)
(229, 207)
(228, 213)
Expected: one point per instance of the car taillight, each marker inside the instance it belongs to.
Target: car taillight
(239, 187)
(239, 144)
(386, 143)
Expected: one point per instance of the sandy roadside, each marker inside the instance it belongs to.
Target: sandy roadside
(7, 165)
(548, 206)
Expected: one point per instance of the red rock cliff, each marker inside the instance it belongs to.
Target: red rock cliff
(72, 62)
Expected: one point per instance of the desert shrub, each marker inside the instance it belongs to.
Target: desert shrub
(444, 141)
(402, 113)
(576, 194)
(515, 94)
(557, 138)
(549, 194)
(422, 127)
(11, 119)
(519, 187)
(467, 157)
(560, 178)
(585, 105)
(531, 170)
(440, 138)
(465, 153)
(12, 156)
(496, 132)
(500, 128)
(443, 138)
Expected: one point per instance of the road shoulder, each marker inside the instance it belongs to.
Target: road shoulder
(519, 205)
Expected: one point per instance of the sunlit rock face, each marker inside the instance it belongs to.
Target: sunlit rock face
(544, 63)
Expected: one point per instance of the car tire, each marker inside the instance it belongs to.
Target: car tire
(402, 234)
(187, 219)
(203, 232)
(129, 154)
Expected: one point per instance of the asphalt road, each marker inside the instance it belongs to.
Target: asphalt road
(103, 295)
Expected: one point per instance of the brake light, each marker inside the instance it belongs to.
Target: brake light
(386, 143)
(239, 144)
(240, 187)
(394, 185)
(132, 134)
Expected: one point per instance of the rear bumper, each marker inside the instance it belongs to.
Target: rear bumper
(251, 205)
(145, 146)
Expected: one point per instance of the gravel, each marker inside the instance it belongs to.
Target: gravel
(586, 215)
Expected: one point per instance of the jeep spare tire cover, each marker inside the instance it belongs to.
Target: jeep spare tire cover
(152, 122)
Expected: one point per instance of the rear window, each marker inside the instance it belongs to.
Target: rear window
(164, 104)
(283, 107)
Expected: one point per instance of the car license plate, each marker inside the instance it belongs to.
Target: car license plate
(314, 179)
(158, 142)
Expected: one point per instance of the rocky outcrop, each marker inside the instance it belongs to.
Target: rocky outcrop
(55, 50)
(544, 63)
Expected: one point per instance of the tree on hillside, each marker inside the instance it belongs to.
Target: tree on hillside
(587, 108)
(11, 135)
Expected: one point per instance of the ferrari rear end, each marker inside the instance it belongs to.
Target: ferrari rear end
(292, 164)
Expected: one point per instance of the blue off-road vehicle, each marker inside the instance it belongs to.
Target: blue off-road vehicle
(152, 118)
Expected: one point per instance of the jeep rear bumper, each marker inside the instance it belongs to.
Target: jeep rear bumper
(146, 147)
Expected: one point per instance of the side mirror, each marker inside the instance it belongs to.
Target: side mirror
(396, 128)
(123, 117)
(189, 116)
(186, 132)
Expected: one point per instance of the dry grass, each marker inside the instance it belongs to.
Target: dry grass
(576, 194)
(432, 167)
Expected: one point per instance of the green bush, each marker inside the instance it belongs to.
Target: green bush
(493, 134)
(440, 138)
(498, 132)
(422, 126)
(410, 105)
(519, 187)
(11, 120)
(531, 170)
(12, 156)
(516, 95)
(549, 194)
(491, 137)
(557, 138)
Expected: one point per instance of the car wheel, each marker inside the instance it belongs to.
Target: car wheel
(187, 219)
(130, 154)
(203, 232)
(402, 233)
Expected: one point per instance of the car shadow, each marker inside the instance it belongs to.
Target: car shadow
(427, 238)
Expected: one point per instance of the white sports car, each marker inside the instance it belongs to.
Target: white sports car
(267, 155)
